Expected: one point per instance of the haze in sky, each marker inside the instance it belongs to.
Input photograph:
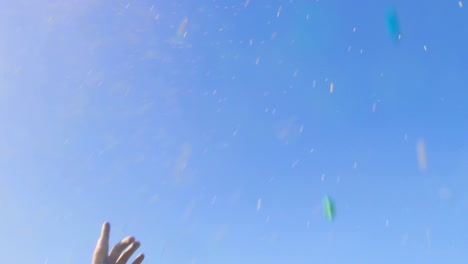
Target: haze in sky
(212, 131)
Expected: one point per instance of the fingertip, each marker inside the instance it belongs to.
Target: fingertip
(136, 244)
(106, 226)
(129, 240)
(105, 231)
(139, 259)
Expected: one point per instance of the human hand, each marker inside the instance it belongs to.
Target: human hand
(117, 255)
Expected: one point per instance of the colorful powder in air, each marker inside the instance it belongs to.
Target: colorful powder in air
(181, 33)
(329, 208)
(393, 24)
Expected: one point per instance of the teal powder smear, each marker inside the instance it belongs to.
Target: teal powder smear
(393, 24)
(329, 208)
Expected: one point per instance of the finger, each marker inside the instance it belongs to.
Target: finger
(102, 247)
(117, 250)
(128, 253)
(139, 259)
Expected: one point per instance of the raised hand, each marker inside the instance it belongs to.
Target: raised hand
(120, 253)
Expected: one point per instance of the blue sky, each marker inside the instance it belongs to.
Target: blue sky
(109, 115)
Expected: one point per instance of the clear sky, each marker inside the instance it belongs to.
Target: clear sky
(211, 132)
